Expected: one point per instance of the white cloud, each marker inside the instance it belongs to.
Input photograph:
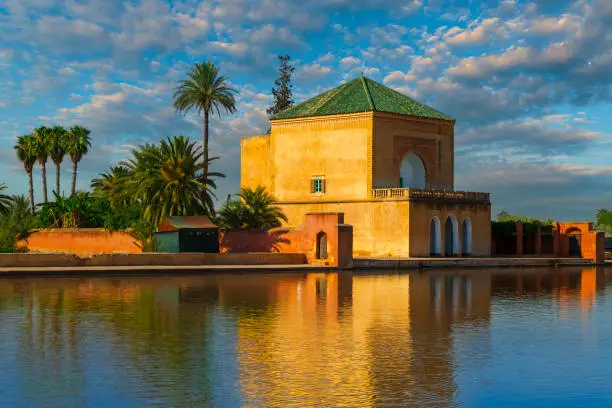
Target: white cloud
(350, 61)
(313, 72)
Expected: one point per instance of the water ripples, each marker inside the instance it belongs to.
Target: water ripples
(435, 339)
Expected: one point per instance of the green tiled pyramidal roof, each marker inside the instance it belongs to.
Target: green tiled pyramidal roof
(360, 95)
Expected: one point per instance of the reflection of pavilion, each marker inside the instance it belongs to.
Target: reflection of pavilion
(362, 341)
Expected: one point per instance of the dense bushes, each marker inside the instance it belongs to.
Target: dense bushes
(505, 226)
(84, 210)
(15, 223)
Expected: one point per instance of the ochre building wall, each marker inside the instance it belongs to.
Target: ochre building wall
(380, 228)
(422, 213)
(254, 169)
(395, 136)
(335, 147)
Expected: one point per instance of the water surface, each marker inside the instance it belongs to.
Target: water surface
(440, 338)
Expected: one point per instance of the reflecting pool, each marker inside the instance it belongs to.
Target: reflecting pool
(438, 338)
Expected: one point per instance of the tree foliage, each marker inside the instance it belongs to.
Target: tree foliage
(5, 200)
(26, 153)
(206, 92)
(505, 224)
(169, 180)
(58, 145)
(78, 144)
(144, 236)
(111, 185)
(15, 224)
(42, 137)
(603, 217)
(282, 92)
(255, 208)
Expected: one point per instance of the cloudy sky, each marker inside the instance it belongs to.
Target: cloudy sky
(530, 83)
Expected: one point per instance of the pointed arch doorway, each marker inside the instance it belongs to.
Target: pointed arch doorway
(435, 237)
(451, 236)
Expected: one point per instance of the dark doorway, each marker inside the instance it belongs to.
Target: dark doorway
(435, 238)
(199, 240)
(449, 238)
(322, 245)
(466, 238)
(575, 247)
(432, 238)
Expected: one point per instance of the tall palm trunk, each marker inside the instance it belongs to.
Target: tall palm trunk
(31, 182)
(74, 174)
(206, 143)
(44, 181)
(57, 178)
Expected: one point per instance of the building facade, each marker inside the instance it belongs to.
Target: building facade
(381, 158)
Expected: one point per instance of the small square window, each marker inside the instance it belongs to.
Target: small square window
(317, 185)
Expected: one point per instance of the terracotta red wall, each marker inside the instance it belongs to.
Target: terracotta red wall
(302, 240)
(591, 242)
(84, 241)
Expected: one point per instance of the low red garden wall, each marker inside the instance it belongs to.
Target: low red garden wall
(339, 239)
(80, 241)
(591, 242)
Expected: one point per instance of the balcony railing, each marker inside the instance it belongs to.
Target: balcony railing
(417, 194)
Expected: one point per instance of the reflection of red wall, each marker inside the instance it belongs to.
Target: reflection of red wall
(85, 241)
(591, 242)
(302, 240)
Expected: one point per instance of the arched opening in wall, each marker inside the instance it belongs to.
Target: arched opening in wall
(575, 242)
(412, 172)
(451, 236)
(466, 237)
(435, 237)
(321, 245)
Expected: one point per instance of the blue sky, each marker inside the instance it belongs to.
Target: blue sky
(528, 82)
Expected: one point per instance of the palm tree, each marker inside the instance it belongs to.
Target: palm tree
(110, 185)
(5, 200)
(254, 209)
(259, 209)
(42, 136)
(169, 179)
(58, 144)
(20, 206)
(207, 92)
(26, 153)
(78, 146)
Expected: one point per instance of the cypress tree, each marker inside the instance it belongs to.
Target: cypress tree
(282, 91)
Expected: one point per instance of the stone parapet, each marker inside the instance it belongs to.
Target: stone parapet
(417, 194)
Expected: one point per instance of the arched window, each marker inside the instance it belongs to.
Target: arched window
(321, 245)
(412, 172)
(451, 236)
(466, 237)
(435, 237)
